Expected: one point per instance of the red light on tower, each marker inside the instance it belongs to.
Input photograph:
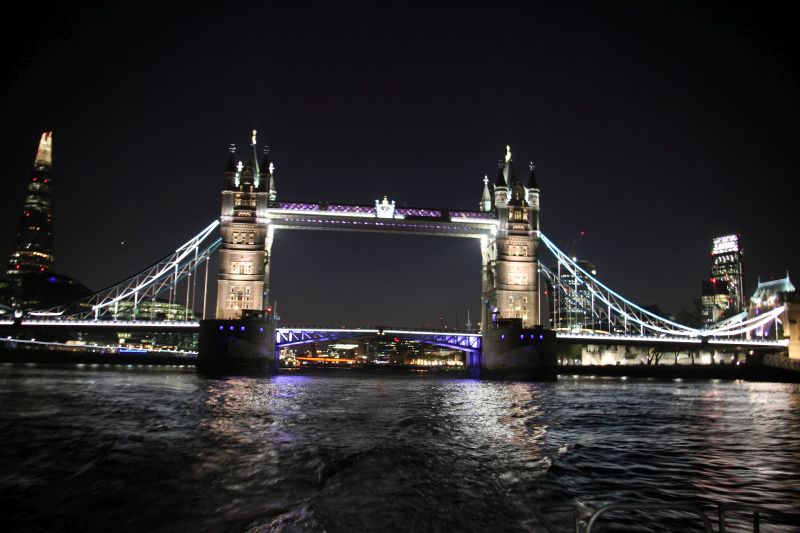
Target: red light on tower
(397, 339)
(269, 309)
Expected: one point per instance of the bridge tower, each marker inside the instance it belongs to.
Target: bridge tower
(241, 339)
(510, 279)
(246, 236)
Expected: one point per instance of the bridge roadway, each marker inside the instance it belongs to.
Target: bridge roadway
(462, 340)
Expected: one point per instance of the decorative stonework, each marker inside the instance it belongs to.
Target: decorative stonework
(384, 209)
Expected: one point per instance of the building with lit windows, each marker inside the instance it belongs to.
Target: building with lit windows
(724, 292)
(571, 304)
(33, 243)
(30, 281)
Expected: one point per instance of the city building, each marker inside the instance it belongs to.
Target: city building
(33, 244)
(571, 304)
(723, 294)
(30, 281)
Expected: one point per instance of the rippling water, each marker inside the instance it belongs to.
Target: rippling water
(163, 449)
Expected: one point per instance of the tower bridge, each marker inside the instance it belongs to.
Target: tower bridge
(505, 226)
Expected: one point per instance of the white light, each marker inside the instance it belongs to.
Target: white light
(727, 243)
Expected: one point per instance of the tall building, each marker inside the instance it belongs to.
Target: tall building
(510, 280)
(246, 237)
(571, 304)
(724, 291)
(33, 249)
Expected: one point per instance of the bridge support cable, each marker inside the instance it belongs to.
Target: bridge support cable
(158, 278)
(624, 308)
(620, 314)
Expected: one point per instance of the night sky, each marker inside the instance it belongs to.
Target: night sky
(654, 127)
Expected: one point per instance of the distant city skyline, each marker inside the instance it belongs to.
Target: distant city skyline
(669, 126)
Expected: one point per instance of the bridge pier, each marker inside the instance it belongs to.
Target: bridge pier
(513, 352)
(237, 347)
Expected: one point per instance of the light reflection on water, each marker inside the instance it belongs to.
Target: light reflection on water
(143, 449)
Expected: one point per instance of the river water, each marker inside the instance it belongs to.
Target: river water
(160, 449)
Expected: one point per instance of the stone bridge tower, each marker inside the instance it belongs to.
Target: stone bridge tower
(510, 265)
(246, 236)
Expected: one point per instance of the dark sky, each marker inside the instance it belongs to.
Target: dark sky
(654, 126)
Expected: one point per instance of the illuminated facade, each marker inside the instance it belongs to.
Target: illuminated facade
(33, 249)
(246, 236)
(571, 305)
(724, 292)
(510, 280)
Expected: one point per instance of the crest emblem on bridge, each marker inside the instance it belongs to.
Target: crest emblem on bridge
(384, 209)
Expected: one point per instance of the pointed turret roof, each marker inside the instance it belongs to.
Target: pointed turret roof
(231, 167)
(511, 179)
(265, 163)
(508, 168)
(532, 178)
(501, 180)
(486, 196)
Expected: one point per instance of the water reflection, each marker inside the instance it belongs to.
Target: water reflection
(150, 449)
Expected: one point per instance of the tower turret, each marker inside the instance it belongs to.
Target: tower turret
(231, 170)
(500, 188)
(268, 170)
(533, 195)
(485, 204)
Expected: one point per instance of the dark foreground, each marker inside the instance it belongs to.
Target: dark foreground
(141, 449)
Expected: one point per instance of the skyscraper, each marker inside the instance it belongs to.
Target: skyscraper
(571, 303)
(33, 249)
(724, 292)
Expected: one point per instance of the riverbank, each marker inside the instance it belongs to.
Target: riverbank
(744, 371)
(66, 357)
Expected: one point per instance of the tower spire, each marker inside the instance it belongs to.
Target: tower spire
(267, 164)
(502, 184)
(532, 178)
(44, 154)
(253, 145)
(486, 199)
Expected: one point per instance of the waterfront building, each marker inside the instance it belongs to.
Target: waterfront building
(248, 190)
(724, 292)
(571, 304)
(33, 243)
